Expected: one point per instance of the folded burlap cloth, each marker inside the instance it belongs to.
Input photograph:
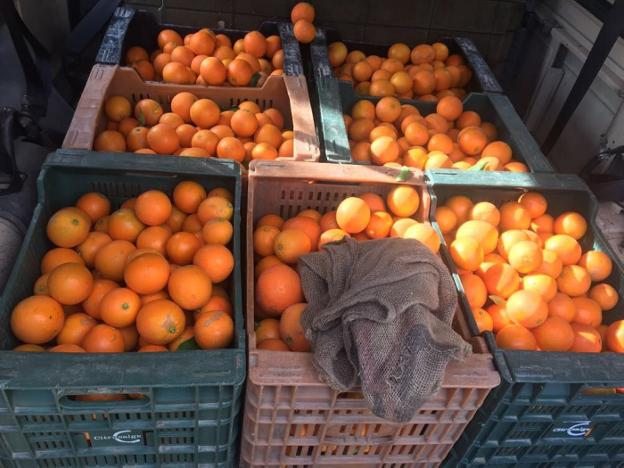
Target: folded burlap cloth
(379, 315)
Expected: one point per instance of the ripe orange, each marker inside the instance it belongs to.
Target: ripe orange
(291, 243)
(268, 329)
(215, 207)
(605, 295)
(68, 227)
(574, 280)
(214, 330)
(384, 149)
(103, 339)
(328, 221)
(273, 345)
(483, 320)
(291, 330)
(586, 339)
(551, 264)
(57, 256)
(566, 247)
(94, 204)
(525, 256)
(555, 334)
(308, 226)
(101, 287)
(499, 317)
(152, 207)
(70, 283)
(204, 113)
(543, 224)
(146, 274)
(190, 287)
(119, 307)
(425, 234)
(543, 285)
(403, 201)
(588, 312)
(461, 206)
(562, 306)
(218, 303)
(501, 280)
(181, 247)
(148, 112)
(304, 31)
(446, 219)
(514, 216)
(516, 337)
(264, 238)
(160, 321)
(485, 211)
(615, 336)
(571, 223)
(187, 196)
(110, 260)
(526, 308)
(449, 107)
(472, 140)
(217, 231)
(353, 215)
(597, 263)
(467, 253)
(481, 231)
(154, 237)
(475, 290)
(181, 104)
(534, 203)
(216, 261)
(379, 225)
(37, 319)
(67, 348)
(239, 72)
(332, 235)
(176, 220)
(278, 288)
(94, 241)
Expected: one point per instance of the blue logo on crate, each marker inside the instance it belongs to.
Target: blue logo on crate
(573, 429)
(103, 439)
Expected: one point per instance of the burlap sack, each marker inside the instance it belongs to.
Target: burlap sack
(379, 315)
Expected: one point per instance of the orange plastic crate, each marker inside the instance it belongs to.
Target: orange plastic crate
(291, 417)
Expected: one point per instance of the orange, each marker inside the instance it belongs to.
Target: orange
(127, 124)
(177, 72)
(374, 201)
(273, 345)
(440, 142)
(291, 243)
(425, 234)
(332, 235)
(103, 339)
(605, 295)
(216, 261)
(29, 348)
(58, 256)
(516, 337)
(217, 231)
(385, 129)
(467, 253)
(221, 192)
(152, 349)
(363, 110)
(278, 288)
(362, 71)
(190, 287)
(402, 83)
(497, 149)
(160, 321)
(415, 157)
(312, 214)
(146, 299)
(483, 320)
(488, 261)
(508, 239)
(269, 133)
(360, 129)
(337, 53)
(264, 238)
(291, 330)
(525, 256)
(152, 207)
(94, 204)
(555, 334)
(475, 290)
(168, 35)
(533, 202)
(70, 283)
(571, 223)
(436, 123)
(403, 201)
(68, 227)
(171, 119)
(134, 54)
(213, 330)
(526, 308)
(304, 31)
(468, 119)
(268, 329)
(119, 307)
(461, 206)
(187, 195)
(302, 10)
(273, 44)
(481, 231)
(543, 285)
(308, 226)
(124, 225)
(328, 221)
(615, 337)
(449, 107)
(514, 216)
(388, 109)
(217, 303)
(379, 225)
(566, 247)
(202, 43)
(562, 306)
(485, 211)
(586, 339)
(147, 274)
(499, 317)
(41, 286)
(244, 123)
(37, 319)
(353, 215)
(446, 219)
(588, 312)
(551, 264)
(204, 113)
(213, 71)
(94, 241)
(160, 61)
(181, 105)
(67, 348)
(597, 263)
(154, 237)
(148, 112)
(416, 134)
(130, 337)
(501, 280)
(117, 108)
(181, 247)
(422, 53)
(101, 287)
(472, 140)
(137, 139)
(110, 260)
(264, 151)
(574, 280)
(424, 82)
(215, 207)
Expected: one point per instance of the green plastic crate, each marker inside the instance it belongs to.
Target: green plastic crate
(191, 408)
(335, 97)
(556, 409)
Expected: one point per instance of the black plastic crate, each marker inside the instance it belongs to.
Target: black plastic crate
(131, 27)
(555, 409)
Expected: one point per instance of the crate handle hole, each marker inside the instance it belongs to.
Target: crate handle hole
(104, 401)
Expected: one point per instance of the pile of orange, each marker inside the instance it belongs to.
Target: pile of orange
(279, 243)
(196, 128)
(527, 278)
(424, 72)
(210, 59)
(391, 133)
(145, 277)
(302, 17)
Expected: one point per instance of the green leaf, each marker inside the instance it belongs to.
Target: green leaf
(404, 174)
(141, 118)
(478, 166)
(254, 79)
(188, 345)
(499, 301)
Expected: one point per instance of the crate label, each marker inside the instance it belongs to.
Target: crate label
(124, 437)
(572, 429)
